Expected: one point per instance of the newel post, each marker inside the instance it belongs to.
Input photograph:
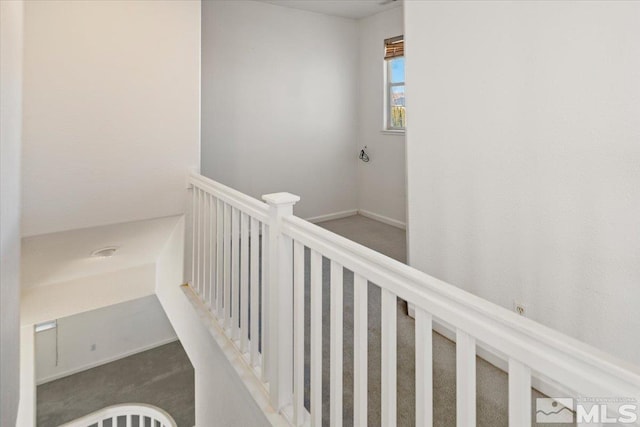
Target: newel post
(279, 297)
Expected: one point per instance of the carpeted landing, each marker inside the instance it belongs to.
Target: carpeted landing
(491, 382)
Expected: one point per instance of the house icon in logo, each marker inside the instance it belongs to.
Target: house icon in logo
(554, 410)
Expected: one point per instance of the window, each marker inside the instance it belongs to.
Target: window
(394, 81)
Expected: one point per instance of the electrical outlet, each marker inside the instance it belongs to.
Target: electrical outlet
(520, 308)
(93, 347)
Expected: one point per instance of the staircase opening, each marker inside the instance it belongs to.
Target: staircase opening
(119, 354)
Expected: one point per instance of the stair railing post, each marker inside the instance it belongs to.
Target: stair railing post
(279, 300)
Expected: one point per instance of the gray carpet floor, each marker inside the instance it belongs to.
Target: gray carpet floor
(491, 382)
(162, 376)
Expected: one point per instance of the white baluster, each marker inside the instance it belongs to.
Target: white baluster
(519, 394)
(194, 236)
(220, 258)
(336, 344)
(255, 291)
(266, 349)
(389, 361)
(205, 247)
(211, 278)
(298, 331)
(424, 368)
(197, 237)
(235, 273)
(316, 339)
(200, 242)
(244, 283)
(227, 266)
(465, 379)
(360, 350)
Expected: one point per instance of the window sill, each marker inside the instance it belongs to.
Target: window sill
(392, 132)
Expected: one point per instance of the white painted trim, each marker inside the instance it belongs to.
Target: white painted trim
(105, 361)
(232, 197)
(330, 216)
(397, 132)
(382, 218)
(352, 212)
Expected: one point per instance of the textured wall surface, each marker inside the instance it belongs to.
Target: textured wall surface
(111, 103)
(523, 159)
(279, 105)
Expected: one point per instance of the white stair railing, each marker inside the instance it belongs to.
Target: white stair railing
(248, 269)
(125, 415)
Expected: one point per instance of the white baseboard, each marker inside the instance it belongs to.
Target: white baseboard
(382, 218)
(365, 213)
(104, 361)
(335, 215)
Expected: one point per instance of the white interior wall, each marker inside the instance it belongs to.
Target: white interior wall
(11, 28)
(523, 158)
(111, 111)
(381, 182)
(279, 103)
(116, 331)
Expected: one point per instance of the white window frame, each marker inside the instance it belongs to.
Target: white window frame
(387, 99)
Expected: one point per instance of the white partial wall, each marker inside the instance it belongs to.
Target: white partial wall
(523, 158)
(96, 337)
(111, 125)
(279, 103)
(11, 25)
(221, 396)
(382, 181)
(111, 111)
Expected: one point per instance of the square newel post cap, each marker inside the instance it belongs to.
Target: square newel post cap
(281, 199)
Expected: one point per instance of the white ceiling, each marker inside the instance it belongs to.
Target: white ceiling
(354, 9)
(64, 256)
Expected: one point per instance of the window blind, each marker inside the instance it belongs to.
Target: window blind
(394, 47)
